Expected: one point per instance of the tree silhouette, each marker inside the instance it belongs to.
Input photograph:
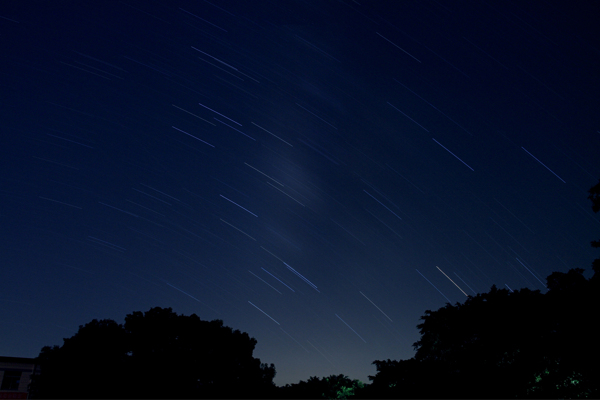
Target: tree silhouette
(465, 350)
(156, 354)
(503, 344)
(331, 387)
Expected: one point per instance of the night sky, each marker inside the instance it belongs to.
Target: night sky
(315, 173)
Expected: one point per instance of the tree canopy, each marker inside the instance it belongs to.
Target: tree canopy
(156, 354)
(503, 344)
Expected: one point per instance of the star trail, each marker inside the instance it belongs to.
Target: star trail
(314, 173)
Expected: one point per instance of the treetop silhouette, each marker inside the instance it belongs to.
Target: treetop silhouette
(156, 354)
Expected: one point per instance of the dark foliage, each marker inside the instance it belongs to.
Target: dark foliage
(157, 354)
(503, 344)
(331, 387)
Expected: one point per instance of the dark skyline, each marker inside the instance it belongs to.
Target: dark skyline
(314, 173)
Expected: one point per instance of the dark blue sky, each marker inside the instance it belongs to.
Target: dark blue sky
(315, 173)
